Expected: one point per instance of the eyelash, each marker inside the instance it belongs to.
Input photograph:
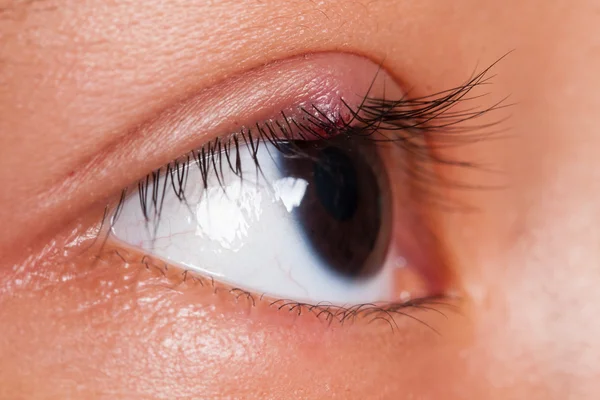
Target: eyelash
(324, 312)
(411, 119)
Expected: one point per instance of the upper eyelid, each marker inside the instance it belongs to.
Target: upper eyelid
(189, 122)
(225, 108)
(408, 120)
(404, 114)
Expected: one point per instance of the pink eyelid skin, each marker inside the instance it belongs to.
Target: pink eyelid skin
(257, 95)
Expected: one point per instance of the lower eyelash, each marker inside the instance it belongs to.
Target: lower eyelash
(370, 313)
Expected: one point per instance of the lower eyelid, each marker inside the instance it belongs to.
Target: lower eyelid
(89, 257)
(147, 277)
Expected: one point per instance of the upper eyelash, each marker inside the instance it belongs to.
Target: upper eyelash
(410, 119)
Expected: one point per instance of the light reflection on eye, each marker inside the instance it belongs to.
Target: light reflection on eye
(304, 220)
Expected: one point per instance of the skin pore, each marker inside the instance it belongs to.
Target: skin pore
(80, 86)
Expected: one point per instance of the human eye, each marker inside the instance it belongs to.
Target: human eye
(325, 202)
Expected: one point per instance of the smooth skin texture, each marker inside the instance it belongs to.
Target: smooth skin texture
(78, 79)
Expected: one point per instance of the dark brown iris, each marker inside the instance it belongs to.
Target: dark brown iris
(342, 211)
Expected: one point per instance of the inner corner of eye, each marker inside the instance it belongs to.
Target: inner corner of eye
(299, 207)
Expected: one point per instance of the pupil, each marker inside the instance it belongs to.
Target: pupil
(340, 214)
(335, 183)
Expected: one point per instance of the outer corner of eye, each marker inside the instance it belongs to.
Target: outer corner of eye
(304, 207)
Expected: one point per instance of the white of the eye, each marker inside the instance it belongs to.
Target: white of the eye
(242, 232)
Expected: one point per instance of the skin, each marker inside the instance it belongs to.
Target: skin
(79, 79)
